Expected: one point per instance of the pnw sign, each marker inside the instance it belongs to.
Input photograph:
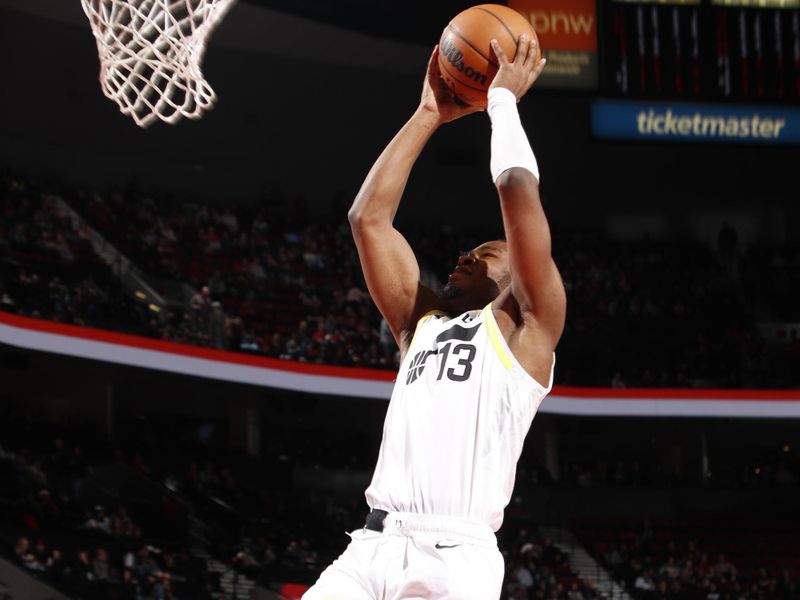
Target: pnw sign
(567, 31)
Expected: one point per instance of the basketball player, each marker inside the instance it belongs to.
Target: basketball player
(477, 363)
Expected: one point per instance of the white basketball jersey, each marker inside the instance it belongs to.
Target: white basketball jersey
(455, 426)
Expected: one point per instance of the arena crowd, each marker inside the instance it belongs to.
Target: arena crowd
(272, 281)
(63, 521)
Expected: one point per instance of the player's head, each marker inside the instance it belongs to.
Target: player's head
(479, 275)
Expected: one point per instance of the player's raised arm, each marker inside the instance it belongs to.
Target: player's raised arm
(388, 262)
(535, 282)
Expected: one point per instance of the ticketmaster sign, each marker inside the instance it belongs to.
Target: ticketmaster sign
(695, 122)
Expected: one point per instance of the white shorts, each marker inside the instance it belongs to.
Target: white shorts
(416, 557)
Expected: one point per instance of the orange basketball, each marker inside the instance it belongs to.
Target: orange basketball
(466, 60)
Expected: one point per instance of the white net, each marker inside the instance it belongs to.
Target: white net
(150, 55)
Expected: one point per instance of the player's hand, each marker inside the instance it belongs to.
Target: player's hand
(518, 75)
(439, 99)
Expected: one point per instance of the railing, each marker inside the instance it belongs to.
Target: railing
(127, 272)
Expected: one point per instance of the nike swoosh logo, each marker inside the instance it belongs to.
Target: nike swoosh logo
(440, 546)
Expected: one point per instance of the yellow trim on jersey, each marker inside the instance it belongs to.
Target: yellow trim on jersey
(493, 330)
(422, 320)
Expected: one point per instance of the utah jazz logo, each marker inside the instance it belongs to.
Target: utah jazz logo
(417, 365)
(463, 352)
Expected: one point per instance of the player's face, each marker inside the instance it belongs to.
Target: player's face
(483, 270)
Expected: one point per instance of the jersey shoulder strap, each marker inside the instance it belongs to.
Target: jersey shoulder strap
(423, 320)
(496, 338)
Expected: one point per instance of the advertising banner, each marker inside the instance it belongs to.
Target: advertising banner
(695, 122)
(567, 31)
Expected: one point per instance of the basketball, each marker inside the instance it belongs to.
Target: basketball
(466, 61)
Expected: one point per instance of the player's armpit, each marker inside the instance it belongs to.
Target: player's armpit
(530, 343)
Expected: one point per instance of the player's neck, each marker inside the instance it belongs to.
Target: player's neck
(460, 305)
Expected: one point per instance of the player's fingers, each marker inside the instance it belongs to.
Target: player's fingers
(522, 50)
(433, 62)
(537, 70)
(502, 59)
(532, 47)
(434, 73)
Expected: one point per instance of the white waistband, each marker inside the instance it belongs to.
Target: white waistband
(449, 527)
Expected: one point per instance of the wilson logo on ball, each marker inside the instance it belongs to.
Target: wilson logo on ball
(456, 58)
(466, 59)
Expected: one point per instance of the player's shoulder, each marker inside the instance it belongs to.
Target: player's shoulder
(432, 316)
(428, 306)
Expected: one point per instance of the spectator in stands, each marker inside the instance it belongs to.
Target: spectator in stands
(669, 569)
(713, 591)
(99, 520)
(148, 576)
(41, 553)
(82, 570)
(201, 303)
(523, 576)
(44, 506)
(100, 568)
(130, 588)
(662, 591)
(644, 582)
(724, 569)
(56, 567)
(788, 586)
(122, 525)
(25, 556)
(7, 303)
(687, 572)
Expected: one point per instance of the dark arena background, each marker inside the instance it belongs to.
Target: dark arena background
(193, 378)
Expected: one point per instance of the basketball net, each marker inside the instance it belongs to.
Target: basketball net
(150, 55)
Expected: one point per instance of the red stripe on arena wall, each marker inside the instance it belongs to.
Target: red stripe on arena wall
(124, 339)
(132, 350)
(599, 393)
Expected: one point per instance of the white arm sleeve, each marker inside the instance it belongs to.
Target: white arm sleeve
(509, 146)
